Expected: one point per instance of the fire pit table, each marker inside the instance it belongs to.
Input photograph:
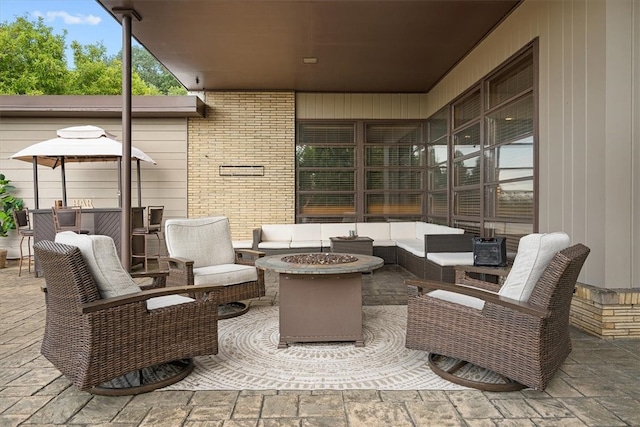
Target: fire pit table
(320, 295)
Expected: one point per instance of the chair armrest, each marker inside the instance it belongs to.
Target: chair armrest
(103, 304)
(463, 278)
(248, 256)
(257, 237)
(482, 294)
(177, 262)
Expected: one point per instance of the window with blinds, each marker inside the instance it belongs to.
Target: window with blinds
(481, 167)
(326, 172)
(378, 176)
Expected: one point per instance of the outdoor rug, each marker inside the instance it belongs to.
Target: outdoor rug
(248, 358)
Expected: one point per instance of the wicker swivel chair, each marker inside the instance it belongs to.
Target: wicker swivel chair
(108, 337)
(201, 254)
(23, 225)
(519, 331)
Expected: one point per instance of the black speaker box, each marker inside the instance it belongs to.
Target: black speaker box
(490, 252)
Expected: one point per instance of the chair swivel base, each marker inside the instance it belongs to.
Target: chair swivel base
(454, 370)
(146, 380)
(232, 309)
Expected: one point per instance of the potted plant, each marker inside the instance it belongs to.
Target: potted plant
(9, 204)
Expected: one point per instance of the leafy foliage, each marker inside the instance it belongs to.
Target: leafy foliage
(9, 204)
(33, 62)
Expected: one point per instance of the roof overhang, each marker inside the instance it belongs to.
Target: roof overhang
(392, 46)
(99, 106)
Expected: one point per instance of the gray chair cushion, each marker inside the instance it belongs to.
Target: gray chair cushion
(206, 241)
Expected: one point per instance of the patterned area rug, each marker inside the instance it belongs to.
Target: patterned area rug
(248, 358)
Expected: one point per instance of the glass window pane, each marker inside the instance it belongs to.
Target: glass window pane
(466, 141)
(468, 226)
(394, 180)
(510, 200)
(512, 231)
(326, 180)
(466, 203)
(510, 123)
(326, 204)
(438, 152)
(437, 126)
(466, 172)
(466, 110)
(393, 204)
(308, 156)
(410, 133)
(437, 178)
(326, 133)
(407, 155)
(509, 161)
(438, 204)
(513, 81)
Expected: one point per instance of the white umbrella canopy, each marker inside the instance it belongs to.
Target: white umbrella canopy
(77, 144)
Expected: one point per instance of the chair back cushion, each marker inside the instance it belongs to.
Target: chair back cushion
(535, 251)
(206, 241)
(101, 257)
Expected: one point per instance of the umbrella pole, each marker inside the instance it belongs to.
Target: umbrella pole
(36, 199)
(64, 182)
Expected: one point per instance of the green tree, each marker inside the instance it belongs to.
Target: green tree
(97, 74)
(153, 73)
(32, 59)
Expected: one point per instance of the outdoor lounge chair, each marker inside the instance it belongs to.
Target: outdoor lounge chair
(201, 253)
(105, 334)
(519, 331)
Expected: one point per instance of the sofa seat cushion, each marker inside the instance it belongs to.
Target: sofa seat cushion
(101, 257)
(448, 259)
(535, 252)
(466, 300)
(301, 244)
(413, 246)
(386, 243)
(224, 274)
(277, 232)
(274, 245)
(167, 301)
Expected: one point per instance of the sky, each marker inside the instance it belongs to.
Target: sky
(85, 20)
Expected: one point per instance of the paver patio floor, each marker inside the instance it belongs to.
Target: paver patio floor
(599, 385)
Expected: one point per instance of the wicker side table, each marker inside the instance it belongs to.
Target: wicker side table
(352, 245)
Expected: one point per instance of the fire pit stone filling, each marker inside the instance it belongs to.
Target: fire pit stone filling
(319, 258)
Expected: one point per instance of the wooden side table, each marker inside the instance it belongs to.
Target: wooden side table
(352, 245)
(499, 273)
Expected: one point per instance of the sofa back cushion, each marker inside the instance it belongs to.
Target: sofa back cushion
(277, 232)
(402, 230)
(375, 230)
(535, 251)
(206, 241)
(305, 232)
(101, 256)
(337, 229)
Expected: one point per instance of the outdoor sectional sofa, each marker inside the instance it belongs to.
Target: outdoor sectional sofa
(427, 250)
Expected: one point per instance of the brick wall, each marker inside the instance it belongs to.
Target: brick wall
(243, 129)
(607, 313)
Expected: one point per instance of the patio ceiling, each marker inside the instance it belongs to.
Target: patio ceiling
(402, 46)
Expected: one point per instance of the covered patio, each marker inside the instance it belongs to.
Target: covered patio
(597, 385)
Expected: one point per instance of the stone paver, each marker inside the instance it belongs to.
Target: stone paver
(597, 386)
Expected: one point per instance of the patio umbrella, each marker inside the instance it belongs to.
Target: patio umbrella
(77, 144)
